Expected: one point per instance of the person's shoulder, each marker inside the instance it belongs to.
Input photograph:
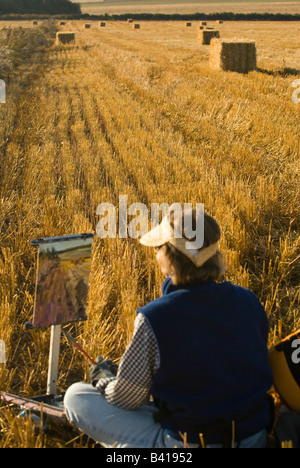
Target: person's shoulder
(160, 302)
(242, 293)
(228, 285)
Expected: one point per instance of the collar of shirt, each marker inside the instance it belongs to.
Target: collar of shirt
(168, 287)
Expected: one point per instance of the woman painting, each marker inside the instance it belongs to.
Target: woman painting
(199, 350)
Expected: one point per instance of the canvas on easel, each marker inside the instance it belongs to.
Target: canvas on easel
(61, 289)
(62, 279)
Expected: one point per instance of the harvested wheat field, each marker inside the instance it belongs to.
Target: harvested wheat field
(142, 114)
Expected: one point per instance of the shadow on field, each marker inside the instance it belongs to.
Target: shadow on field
(286, 71)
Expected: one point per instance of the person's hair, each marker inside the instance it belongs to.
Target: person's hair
(183, 269)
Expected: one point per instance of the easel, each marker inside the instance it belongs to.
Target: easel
(53, 363)
(51, 403)
(56, 331)
(53, 360)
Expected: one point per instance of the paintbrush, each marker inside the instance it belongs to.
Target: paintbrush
(77, 345)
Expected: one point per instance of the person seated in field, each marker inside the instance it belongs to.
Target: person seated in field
(196, 371)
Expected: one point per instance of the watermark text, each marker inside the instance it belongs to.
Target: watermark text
(2, 92)
(2, 352)
(296, 93)
(133, 220)
(296, 353)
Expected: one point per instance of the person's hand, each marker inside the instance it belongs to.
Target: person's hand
(102, 369)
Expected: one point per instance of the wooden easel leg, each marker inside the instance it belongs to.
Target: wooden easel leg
(53, 360)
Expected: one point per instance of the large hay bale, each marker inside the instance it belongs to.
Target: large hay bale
(233, 55)
(204, 37)
(136, 26)
(65, 37)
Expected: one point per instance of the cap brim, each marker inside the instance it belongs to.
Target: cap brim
(156, 237)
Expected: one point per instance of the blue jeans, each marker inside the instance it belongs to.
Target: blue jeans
(113, 426)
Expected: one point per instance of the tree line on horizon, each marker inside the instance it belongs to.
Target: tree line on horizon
(226, 16)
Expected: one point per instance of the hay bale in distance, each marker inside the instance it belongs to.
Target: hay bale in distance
(87, 25)
(129, 20)
(34, 23)
(188, 24)
(205, 36)
(201, 27)
(204, 23)
(219, 21)
(233, 55)
(102, 24)
(65, 37)
(136, 26)
(62, 23)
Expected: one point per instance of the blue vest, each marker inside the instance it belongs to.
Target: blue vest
(212, 340)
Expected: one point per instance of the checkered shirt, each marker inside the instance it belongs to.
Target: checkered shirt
(130, 389)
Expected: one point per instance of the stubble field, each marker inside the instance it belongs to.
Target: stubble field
(140, 113)
(189, 7)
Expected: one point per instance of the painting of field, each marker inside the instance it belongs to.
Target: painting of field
(62, 282)
(141, 113)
